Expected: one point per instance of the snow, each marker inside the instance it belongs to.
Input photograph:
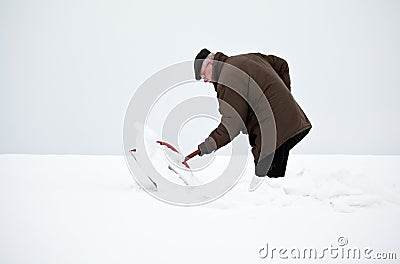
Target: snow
(166, 161)
(88, 209)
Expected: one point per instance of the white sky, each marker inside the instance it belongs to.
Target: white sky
(69, 68)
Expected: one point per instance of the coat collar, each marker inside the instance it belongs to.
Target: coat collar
(219, 60)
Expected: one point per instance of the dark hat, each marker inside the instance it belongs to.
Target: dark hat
(198, 62)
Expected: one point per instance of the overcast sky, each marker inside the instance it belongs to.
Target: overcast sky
(68, 69)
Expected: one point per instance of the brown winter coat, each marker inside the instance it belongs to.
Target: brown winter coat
(270, 74)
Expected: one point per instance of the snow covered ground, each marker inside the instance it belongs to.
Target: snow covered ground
(88, 209)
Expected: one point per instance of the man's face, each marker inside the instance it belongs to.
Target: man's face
(206, 70)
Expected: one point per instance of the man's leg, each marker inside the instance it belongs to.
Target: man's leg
(273, 170)
(265, 164)
(277, 167)
(279, 164)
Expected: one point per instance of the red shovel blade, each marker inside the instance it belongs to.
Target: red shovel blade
(162, 143)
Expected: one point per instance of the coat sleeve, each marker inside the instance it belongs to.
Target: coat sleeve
(281, 67)
(233, 109)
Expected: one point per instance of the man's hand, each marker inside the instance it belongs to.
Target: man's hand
(207, 146)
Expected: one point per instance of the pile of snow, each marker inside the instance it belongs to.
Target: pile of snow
(167, 162)
(343, 182)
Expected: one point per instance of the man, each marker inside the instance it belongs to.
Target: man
(254, 74)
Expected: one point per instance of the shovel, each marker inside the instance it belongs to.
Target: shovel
(188, 157)
(187, 177)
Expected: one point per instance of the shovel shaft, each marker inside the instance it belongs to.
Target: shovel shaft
(191, 155)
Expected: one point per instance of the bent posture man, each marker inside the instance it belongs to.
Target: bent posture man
(270, 75)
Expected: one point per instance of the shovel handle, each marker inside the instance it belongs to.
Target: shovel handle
(191, 155)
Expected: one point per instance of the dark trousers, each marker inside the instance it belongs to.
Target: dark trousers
(277, 167)
(274, 165)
